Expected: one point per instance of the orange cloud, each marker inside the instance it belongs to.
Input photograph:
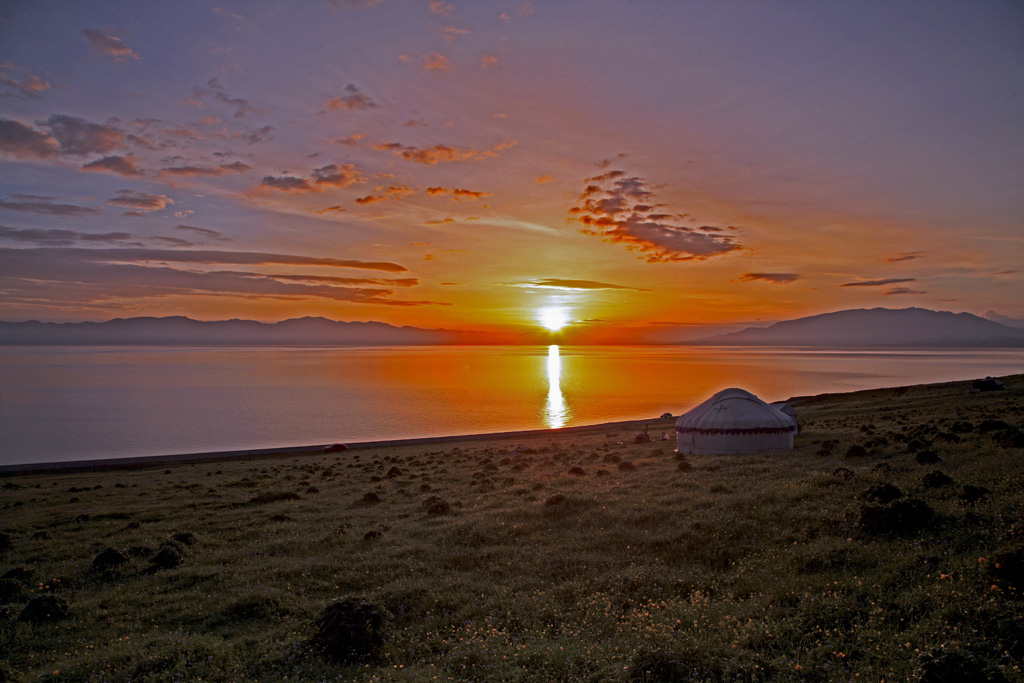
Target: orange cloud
(487, 61)
(350, 141)
(115, 164)
(440, 153)
(774, 278)
(105, 41)
(456, 194)
(450, 33)
(544, 179)
(449, 219)
(619, 209)
(437, 62)
(236, 167)
(352, 99)
(441, 7)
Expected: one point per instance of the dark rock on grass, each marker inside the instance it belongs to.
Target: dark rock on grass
(371, 498)
(43, 609)
(577, 471)
(10, 591)
(184, 537)
(882, 493)
(927, 457)
(351, 630)
(139, 551)
(1007, 568)
(280, 518)
(971, 494)
(937, 479)
(899, 517)
(682, 466)
(168, 557)
(436, 506)
(372, 535)
(949, 666)
(312, 490)
(107, 559)
(626, 466)
(557, 499)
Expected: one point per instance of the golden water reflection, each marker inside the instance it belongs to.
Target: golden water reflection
(555, 410)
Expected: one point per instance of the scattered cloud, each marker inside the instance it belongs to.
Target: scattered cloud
(384, 194)
(24, 142)
(450, 33)
(441, 7)
(488, 61)
(52, 237)
(287, 183)
(332, 209)
(115, 164)
(80, 137)
(141, 201)
(205, 233)
(219, 93)
(562, 283)
(909, 256)
(878, 283)
(442, 221)
(456, 194)
(354, 4)
(338, 175)
(190, 171)
(106, 41)
(544, 179)
(440, 153)
(619, 209)
(774, 278)
(902, 290)
(28, 88)
(64, 275)
(44, 206)
(351, 99)
(436, 62)
(350, 141)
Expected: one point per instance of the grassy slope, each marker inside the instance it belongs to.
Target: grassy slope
(741, 567)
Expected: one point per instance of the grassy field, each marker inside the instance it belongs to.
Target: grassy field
(887, 546)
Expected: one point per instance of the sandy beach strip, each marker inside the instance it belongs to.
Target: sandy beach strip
(140, 462)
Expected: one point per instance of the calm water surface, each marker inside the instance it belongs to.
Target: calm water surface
(61, 403)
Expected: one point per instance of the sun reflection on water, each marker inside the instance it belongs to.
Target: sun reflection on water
(555, 411)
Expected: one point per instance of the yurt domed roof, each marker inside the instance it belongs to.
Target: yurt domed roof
(735, 411)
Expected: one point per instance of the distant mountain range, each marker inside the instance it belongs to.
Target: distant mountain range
(181, 331)
(878, 327)
(861, 327)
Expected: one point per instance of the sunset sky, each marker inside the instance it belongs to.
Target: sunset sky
(650, 170)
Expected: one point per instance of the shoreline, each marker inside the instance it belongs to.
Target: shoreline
(656, 424)
(141, 462)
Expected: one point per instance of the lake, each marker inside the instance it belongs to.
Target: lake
(73, 403)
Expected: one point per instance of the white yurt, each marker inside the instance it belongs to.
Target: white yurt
(734, 421)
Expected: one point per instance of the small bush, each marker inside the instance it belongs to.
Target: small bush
(435, 505)
(274, 498)
(882, 493)
(856, 451)
(945, 666)
(899, 517)
(936, 479)
(184, 537)
(351, 630)
(971, 494)
(107, 559)
(927, 457)
(658, 667)
(371, 498)
(45, 608)
(10, 591)
(1007, 568)
(168, 557)
(626, 466)
(992, 426)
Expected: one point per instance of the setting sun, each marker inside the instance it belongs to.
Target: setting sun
(553, 317)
